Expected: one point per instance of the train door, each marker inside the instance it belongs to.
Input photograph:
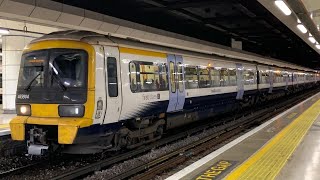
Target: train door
(100, 86)
(240, 83)
(176, 83)
(113, 84)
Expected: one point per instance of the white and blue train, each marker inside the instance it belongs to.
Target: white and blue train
(88, 93)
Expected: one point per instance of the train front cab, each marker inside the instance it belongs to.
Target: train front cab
(54, 92)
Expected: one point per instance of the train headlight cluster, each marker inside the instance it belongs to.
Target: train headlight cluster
(71, 110)
(23, 110)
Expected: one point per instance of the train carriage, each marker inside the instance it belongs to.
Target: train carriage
(86, 93)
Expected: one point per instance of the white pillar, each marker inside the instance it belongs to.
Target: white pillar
(12, 47)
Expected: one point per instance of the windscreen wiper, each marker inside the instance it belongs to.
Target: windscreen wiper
(55, 76)
(61, 85)
(28, 87)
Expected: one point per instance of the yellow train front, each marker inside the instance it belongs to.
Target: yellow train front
(55, 95)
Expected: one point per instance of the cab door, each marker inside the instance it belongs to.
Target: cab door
(176, 83)
(113, 85)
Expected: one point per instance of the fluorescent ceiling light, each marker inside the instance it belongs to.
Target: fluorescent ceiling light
(302, 28)
(318, 46)
(283, 7)
(312, 40)
(4, 31)
(298, 20)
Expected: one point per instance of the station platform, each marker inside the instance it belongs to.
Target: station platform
(4, 123)
(285, 147)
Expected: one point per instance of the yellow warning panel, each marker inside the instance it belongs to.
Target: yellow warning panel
(270, 159)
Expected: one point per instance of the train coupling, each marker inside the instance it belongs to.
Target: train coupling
(38, 150)
(37, 144)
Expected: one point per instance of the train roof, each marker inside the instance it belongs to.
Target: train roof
(229, 53)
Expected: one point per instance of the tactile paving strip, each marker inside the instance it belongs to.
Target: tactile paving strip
(270, 159)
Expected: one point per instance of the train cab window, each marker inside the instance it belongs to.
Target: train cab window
(149, 77)
(204, 78)
(248, 77)
(232, 76)
(172, 78)
(215, 77)
(191, 77)
(180, 77)
(32, 66)
(133, 76)
(224, 80)
(112, 77)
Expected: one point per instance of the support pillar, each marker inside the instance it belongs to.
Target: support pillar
(12, 47)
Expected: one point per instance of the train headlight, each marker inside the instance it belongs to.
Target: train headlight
(71, 110)
(23, 110)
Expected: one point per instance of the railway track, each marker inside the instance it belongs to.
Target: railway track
(148, 170)
(151, 169)
(9, 147)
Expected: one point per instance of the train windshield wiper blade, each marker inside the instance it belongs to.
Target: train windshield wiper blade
(57, 78)
(28, 87)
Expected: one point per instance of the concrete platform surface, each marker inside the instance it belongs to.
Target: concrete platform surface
(239, 159)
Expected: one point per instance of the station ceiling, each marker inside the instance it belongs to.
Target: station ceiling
(216, 21)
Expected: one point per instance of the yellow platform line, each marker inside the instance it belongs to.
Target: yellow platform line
(270, 159)
(4, 126)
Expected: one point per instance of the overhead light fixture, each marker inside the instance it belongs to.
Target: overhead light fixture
(4, 31)
(318, 46)
(312, 40)
(283, 7)
(302, 28)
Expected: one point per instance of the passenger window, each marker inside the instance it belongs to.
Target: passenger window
(112, 77)
(133, 76)
(191, 77)
(180, 77)
(149, 77)
(163, 77)
(264, 77)
(232, 77)
(204, 78)
(172, 78)
(248, 77)
(224, 77)
(215, 77)
(277, 77)
(284, 76)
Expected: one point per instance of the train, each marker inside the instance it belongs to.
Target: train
(81, 92)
